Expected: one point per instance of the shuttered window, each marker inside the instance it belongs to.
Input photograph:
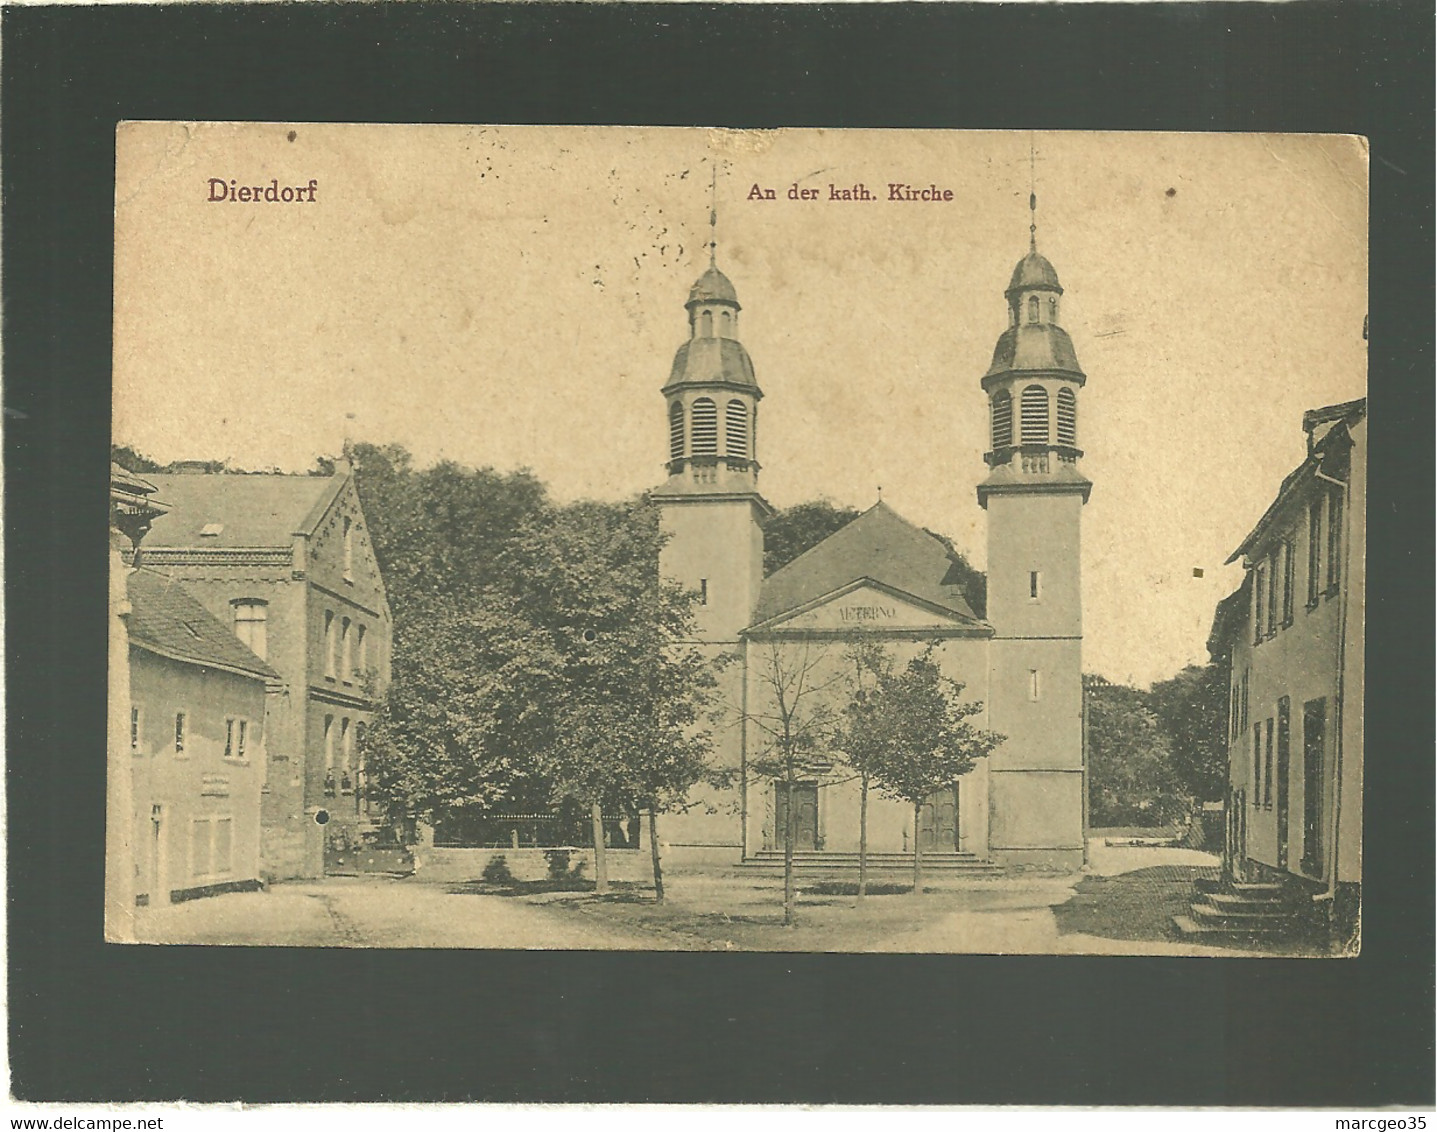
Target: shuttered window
(676, 431)
(736, 429)
(1067, 417)
(705, 428)
(1035, 415)
(1002, 420)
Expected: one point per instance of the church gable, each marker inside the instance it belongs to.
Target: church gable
(867, 606)
(879, 548)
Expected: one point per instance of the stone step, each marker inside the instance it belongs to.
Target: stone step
(1241, 901)
(1208, 885)
(1188, 927)
(1206, 912)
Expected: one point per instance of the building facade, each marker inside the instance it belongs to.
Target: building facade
(883, 579)
(1292, 637)
(286, 562)
(196, 737)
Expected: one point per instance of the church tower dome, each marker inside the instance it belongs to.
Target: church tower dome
(712, 396)
(1032, 386)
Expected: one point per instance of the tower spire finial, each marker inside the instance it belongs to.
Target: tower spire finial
(1032, 194)
(713, 213)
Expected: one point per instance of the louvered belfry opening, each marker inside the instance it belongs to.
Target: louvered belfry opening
(736, 429)
(1002, 420)
(1035, 415)
(1067, 417)
(704, 429)
(676, 431)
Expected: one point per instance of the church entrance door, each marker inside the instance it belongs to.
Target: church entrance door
(938, 822)
(805, 804)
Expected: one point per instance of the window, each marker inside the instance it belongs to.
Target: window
(1259, 617)
(704, 428)
(1035, 688)
(676, 431)
(1067, 417)
(346, 741)
(706, 324)
(181, 722)
(1002, 408)
(726, 324)
(361, 651)
(251, 625)
(1267, 766)
(1052, 309)
(1246, 687)
(230, 738)
(134, 729)
(1257, 764)
(736, 429)
(703, 591)
(1273, 576)
(1334, 541)
(1032, 308)
(329, 644)
(1035, 415)
(348, 550)
(329, 742)
(346, 651)
(1289, 569)
(1034, 585)
(211, 846)
(236, 737)
(1314, 552)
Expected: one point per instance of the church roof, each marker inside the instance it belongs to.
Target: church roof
(879, 545)
(248, 510)
(1034, 270)
(702, 361)
(1036, 346)
(713, 286)
(165, 619)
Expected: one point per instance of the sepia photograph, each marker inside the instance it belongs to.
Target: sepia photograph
(682, 539)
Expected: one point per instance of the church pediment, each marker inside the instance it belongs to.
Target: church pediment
(866, 606)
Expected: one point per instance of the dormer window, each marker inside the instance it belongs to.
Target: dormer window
(211, 530)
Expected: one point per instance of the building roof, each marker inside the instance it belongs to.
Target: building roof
(879, 545)
(165, 619)
(1034, 271)
(240, 510)
(1042, 347)
(1228, 619)
(1322, 447)
(713, 286)
(703, 361)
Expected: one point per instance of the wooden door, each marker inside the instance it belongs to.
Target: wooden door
(805, 804)
(938, 822)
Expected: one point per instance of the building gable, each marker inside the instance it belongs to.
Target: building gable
(867, 606)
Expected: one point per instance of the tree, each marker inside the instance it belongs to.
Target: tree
(917, 737)
(1191, 708)
(1130, 770)
(861, 738)
(788, 533)
(796, 722)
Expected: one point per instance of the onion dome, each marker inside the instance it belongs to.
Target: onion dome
(1037, 348)
(713, 286)
(1033, 273)
(710, 361)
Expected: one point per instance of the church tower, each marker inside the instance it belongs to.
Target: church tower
(1034, 495)
(713, 514)
(710, 503)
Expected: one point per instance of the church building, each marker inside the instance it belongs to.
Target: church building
(887, 580)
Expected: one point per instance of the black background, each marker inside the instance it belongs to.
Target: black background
(95, 1022)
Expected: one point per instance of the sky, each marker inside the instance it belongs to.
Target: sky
(513, 297)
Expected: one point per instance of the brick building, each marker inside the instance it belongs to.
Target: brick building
(286, 562)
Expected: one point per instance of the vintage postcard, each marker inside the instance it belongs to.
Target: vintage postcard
(798, 540)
